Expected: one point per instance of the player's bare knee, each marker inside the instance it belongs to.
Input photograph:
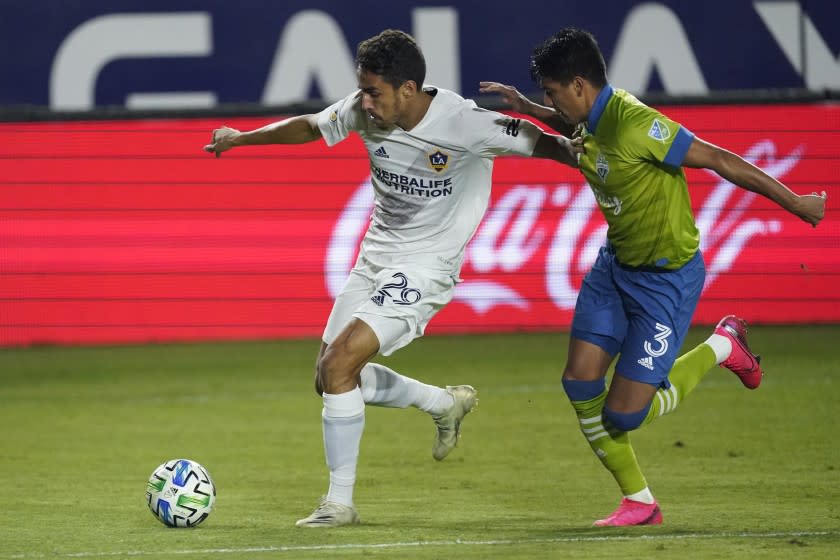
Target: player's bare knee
(333, 373)
(575, 374)
(323, 369)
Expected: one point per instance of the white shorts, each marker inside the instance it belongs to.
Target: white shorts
(396, 303)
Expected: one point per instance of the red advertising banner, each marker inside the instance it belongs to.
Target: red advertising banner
(125, 231)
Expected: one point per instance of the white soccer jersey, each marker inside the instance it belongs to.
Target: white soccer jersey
(432, 183)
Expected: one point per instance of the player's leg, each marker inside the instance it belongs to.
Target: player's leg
(662, 305)
(588, 394)
(368, 309)
(382, 386)
(403, 304)
(727, 346)
(598, 329)
(343, 420)
(659, 307)
(687, 372)
(347, 344)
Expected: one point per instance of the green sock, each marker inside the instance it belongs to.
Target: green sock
(687, 372)
(611, 446)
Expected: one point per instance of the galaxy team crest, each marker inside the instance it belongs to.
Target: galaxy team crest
(439, 161)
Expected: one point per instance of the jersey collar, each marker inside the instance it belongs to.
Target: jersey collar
(598, 107)
(431, 111)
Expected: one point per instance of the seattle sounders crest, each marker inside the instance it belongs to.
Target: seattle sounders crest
(602, 167)
(659, 131)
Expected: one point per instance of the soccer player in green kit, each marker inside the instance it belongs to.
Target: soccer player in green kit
(639, 297)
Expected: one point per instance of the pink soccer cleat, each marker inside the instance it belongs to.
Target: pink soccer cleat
(631, 512)
(741, 361)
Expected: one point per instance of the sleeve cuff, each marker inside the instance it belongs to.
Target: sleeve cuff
(327, 124)
(679, 147)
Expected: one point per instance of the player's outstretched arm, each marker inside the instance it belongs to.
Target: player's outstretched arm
(522, 104)
(736, 170)
(296, 130)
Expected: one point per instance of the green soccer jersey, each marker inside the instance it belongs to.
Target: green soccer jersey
(633, 165)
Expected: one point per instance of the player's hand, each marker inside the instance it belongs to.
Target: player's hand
(559, 148)
(510, 95)
(221, 140)
(574, 147)
(811, 207)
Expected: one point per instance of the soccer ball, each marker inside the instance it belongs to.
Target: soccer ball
(181, 493)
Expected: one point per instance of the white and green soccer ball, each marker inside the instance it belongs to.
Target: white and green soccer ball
(181, 493)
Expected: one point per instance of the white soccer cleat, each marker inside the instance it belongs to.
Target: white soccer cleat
(330, 514)
(449, 423)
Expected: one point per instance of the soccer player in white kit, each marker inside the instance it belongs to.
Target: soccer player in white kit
(431, 157)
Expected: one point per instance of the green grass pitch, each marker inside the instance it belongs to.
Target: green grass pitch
(739, 474)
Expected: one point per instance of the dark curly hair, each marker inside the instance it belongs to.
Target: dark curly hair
(394, 55)
(568, 53)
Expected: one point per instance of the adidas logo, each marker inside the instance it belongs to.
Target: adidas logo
(647, 361)
(382, 153)
(378, 299)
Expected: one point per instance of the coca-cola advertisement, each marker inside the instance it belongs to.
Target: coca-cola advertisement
(126, 231)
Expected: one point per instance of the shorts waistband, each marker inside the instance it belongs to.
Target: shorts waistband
(644, 268)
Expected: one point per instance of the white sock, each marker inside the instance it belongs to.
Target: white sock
(721, 345)
(343, 420)
(643, 496)
(382, 386)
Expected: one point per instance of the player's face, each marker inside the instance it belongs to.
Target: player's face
(567, 100)
(383, 103)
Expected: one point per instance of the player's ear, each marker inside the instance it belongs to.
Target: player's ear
(408, 89)
(577, 83)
